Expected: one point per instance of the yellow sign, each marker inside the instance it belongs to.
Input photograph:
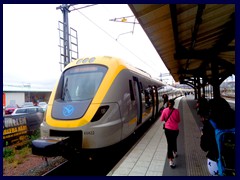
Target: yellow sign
(15, 130)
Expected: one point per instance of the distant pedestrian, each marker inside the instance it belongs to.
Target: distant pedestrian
(171, 116)
(202, 107)
(165, 100)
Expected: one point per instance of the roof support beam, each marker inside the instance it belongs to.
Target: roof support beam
(198, 21)
(227, 37)
(192, 54)
(173, 11)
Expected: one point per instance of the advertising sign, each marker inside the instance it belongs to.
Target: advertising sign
(15, 130)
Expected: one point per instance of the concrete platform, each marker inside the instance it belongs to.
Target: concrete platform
(148, 156)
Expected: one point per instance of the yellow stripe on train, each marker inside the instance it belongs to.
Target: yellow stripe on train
(116, 68)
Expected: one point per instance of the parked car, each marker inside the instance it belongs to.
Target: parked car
(43, 105)
(10, 108)
(34, 117)
(28, 104)
(27, 110)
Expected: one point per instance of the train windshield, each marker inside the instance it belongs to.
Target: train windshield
(81, 82)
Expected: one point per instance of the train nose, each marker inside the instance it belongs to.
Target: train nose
(50, 146)
(59, 143)
(69, 110)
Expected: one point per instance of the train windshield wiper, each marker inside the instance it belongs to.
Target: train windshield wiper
(66, 96)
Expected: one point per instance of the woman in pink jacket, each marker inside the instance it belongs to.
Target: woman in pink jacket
(172, 118)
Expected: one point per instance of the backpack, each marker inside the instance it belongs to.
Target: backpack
(225, 139)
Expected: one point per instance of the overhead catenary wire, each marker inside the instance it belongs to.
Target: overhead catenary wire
(108, 34)
(131, 16)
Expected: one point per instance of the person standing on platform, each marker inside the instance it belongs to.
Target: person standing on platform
(171, 116)
(224, 116)
(165, 102)
(203, 107)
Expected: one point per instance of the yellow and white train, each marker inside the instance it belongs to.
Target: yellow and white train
(97, 102)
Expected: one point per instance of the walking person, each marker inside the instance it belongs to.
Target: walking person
(171, 116)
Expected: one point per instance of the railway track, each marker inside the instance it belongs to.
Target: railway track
(53, 169)
(103, 163)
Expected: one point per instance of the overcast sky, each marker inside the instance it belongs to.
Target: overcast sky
(30, 41)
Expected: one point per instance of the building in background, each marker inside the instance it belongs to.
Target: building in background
(18, 94)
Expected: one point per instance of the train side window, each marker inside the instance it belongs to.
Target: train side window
(147, 98)
(131, 90)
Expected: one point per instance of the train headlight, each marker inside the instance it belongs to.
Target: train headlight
(100, 112)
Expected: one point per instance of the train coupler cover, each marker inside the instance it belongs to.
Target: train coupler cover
(49, 146)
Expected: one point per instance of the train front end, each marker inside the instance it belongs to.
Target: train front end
(77, 116)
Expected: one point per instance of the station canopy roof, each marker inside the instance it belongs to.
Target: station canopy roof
(189, 38)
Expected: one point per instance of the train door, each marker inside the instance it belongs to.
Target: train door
(157, 100)
(138, 99)
(153, 101)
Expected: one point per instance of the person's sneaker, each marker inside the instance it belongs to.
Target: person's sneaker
(172, 164)
(175, 154)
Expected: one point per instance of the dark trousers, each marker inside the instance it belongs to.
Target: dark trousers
(171, 136)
